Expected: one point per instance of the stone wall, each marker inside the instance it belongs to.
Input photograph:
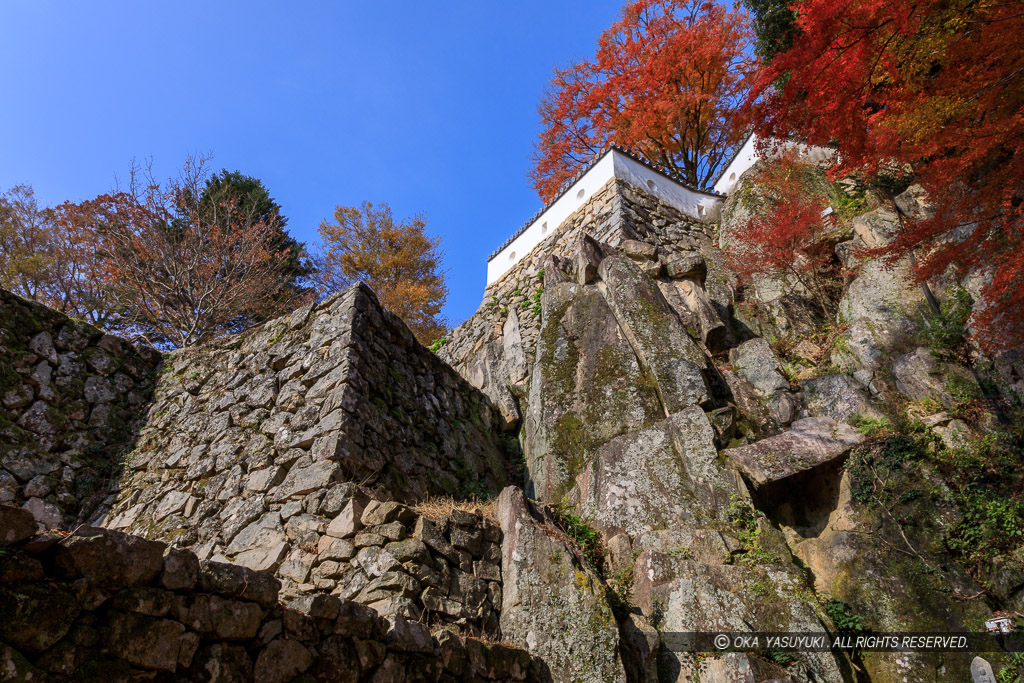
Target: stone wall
(106, 606)
(252, 449)
(69, 397)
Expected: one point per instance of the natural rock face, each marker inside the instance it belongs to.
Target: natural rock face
(839, 397)
(617, 212)
(919, 376)
(587, 388)
(69, 399)
(102, 605)
(713, 479)
(554, 605)
(879, 305)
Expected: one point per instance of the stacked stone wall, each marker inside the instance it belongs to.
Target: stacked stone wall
(253, 448)
(106, 606)
(69, 399)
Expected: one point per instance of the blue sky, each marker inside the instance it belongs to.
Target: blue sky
(431, 107)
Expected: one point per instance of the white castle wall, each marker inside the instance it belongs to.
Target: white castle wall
(700, 205)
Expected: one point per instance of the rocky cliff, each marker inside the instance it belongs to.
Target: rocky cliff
(674, 453)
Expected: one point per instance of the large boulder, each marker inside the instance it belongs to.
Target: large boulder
(587, 388)
(665, 476)
(838, 396)
(811, 442)
(657, 335)
(553, 604)
(920, 376)
(755, 362)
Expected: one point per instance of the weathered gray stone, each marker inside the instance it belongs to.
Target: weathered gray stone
(656, 335)
(181, 570)
(329, 548)
(376, 561)
(637, 249)
(217, 616)
(839, 397)
(302, 480)
(378, 512)
(981, 671)
(408, 636)
(755, 362)
(36, 617)
(586, 259)
(810, 442)
(643, 480)
(690, 266)
(146, 642)
(919, 376)
(110, 558)
(552, 606)
(239, 582)
(282, 660)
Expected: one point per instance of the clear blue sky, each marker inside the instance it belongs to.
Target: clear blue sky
(429, 106)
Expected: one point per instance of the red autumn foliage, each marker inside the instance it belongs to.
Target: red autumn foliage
(938, 85)
(786, 236)
(666, 82)
(46, 257)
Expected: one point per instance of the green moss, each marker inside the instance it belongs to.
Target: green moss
(569, 443)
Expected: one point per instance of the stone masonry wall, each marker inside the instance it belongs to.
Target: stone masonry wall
(69, 397)
(254, 450)
(100, 605)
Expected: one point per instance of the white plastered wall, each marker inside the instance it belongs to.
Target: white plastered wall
(700, 205)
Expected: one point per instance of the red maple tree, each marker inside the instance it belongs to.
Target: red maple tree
(666, 82)
(934, 84)
(786, 235)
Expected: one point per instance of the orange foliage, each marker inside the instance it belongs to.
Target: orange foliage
(398, 261)
(46, 257)
(665, 83)
(183, 271)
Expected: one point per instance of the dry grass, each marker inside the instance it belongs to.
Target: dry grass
(441, 506)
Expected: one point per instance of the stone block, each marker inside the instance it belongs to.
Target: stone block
(110, 559)
(144, 641)
(348, 521)
(811, 442)
(16, 524)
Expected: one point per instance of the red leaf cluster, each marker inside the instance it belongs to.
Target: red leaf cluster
(665, 83)
(937, 85)
(785, 236)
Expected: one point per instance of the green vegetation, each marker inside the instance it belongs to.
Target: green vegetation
(1012, 674)
(944, 332)
(745, 520)
(620, 594)
(584, 535)
(437, 343)
(982, 479)
(842, 616)
(870, 426)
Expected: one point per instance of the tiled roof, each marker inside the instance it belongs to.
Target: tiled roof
(572, 181)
